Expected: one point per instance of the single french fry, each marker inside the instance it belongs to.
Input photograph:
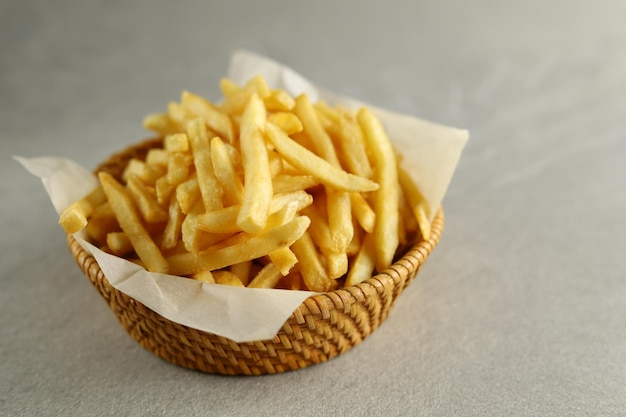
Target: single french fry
(337, 264)
(314, 274)
(177, 142)
(157, 156)
(210, 188)
(161, 124)
(283, 258)
(103, 210)
(330, 113)
(164, 190)
(148, 174)
(311, 164)
(99, 227)
(275, 162)
(279, 100)
(235, 104)
(242, 270)
(363, 266)
(204, 276)
(339, 219)
(286, 183)
(268, 277)
(225, 172)
(187, 193)
(416, 200)
(146, 201)
(258, 85)
(287, 121)
(319, 230)
(179, 114)
(302, 198)
(183, 264)
(178, 167)
(386, 197)
(74, 218)
(322, 143)
(257, 176)
(225, 277)
(190, 232)
(353, 147)
(222, 220)
(363, 212)
(254, 247)
(228, 87)
(172, 231)
(129, 221)
(119, 244)
(215, 119)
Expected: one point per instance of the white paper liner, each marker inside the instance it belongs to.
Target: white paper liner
(431, 153)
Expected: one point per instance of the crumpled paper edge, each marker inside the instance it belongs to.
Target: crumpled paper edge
(246, 314)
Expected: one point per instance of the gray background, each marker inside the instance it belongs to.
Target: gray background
(521, 310)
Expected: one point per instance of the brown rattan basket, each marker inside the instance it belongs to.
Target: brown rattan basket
(322, 327)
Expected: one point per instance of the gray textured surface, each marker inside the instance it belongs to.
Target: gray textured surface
(520, 311)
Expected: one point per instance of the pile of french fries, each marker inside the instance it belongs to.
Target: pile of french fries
(261, 190)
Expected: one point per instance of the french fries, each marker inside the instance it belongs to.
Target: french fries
(263, 191)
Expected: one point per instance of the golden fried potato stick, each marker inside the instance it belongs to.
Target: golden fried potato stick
(161, 124)
(285, 183)
(225, 277)
(204, 276)
(268, 277)
(363, 212)
(416, 200)
(177, 142)
(363, 265)
(258, 85)
(309, 163)
(254, 247)
(119, 244)
(145, 201)
(313, 272)
(225, 172)
(288, 122)
(258, 191)
(187, 193)
(74, 218)
(210, 188)
(224, 220)
(242, 270)
(228, 87)
(353, 147)
(131, 225)
(339, 219)
(279, 100)
(172, 231)
(178, 167)
(164, 190)
(179, 114)
(283, 258)
(148, 174)
(215, 119)
(386, 197)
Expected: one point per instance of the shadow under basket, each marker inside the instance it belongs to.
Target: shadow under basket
(322, 327)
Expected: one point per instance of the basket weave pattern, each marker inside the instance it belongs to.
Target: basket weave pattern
(322, 327)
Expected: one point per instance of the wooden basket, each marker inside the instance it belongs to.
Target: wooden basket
(322, 327)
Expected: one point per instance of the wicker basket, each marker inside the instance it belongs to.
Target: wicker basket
(322, 327)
